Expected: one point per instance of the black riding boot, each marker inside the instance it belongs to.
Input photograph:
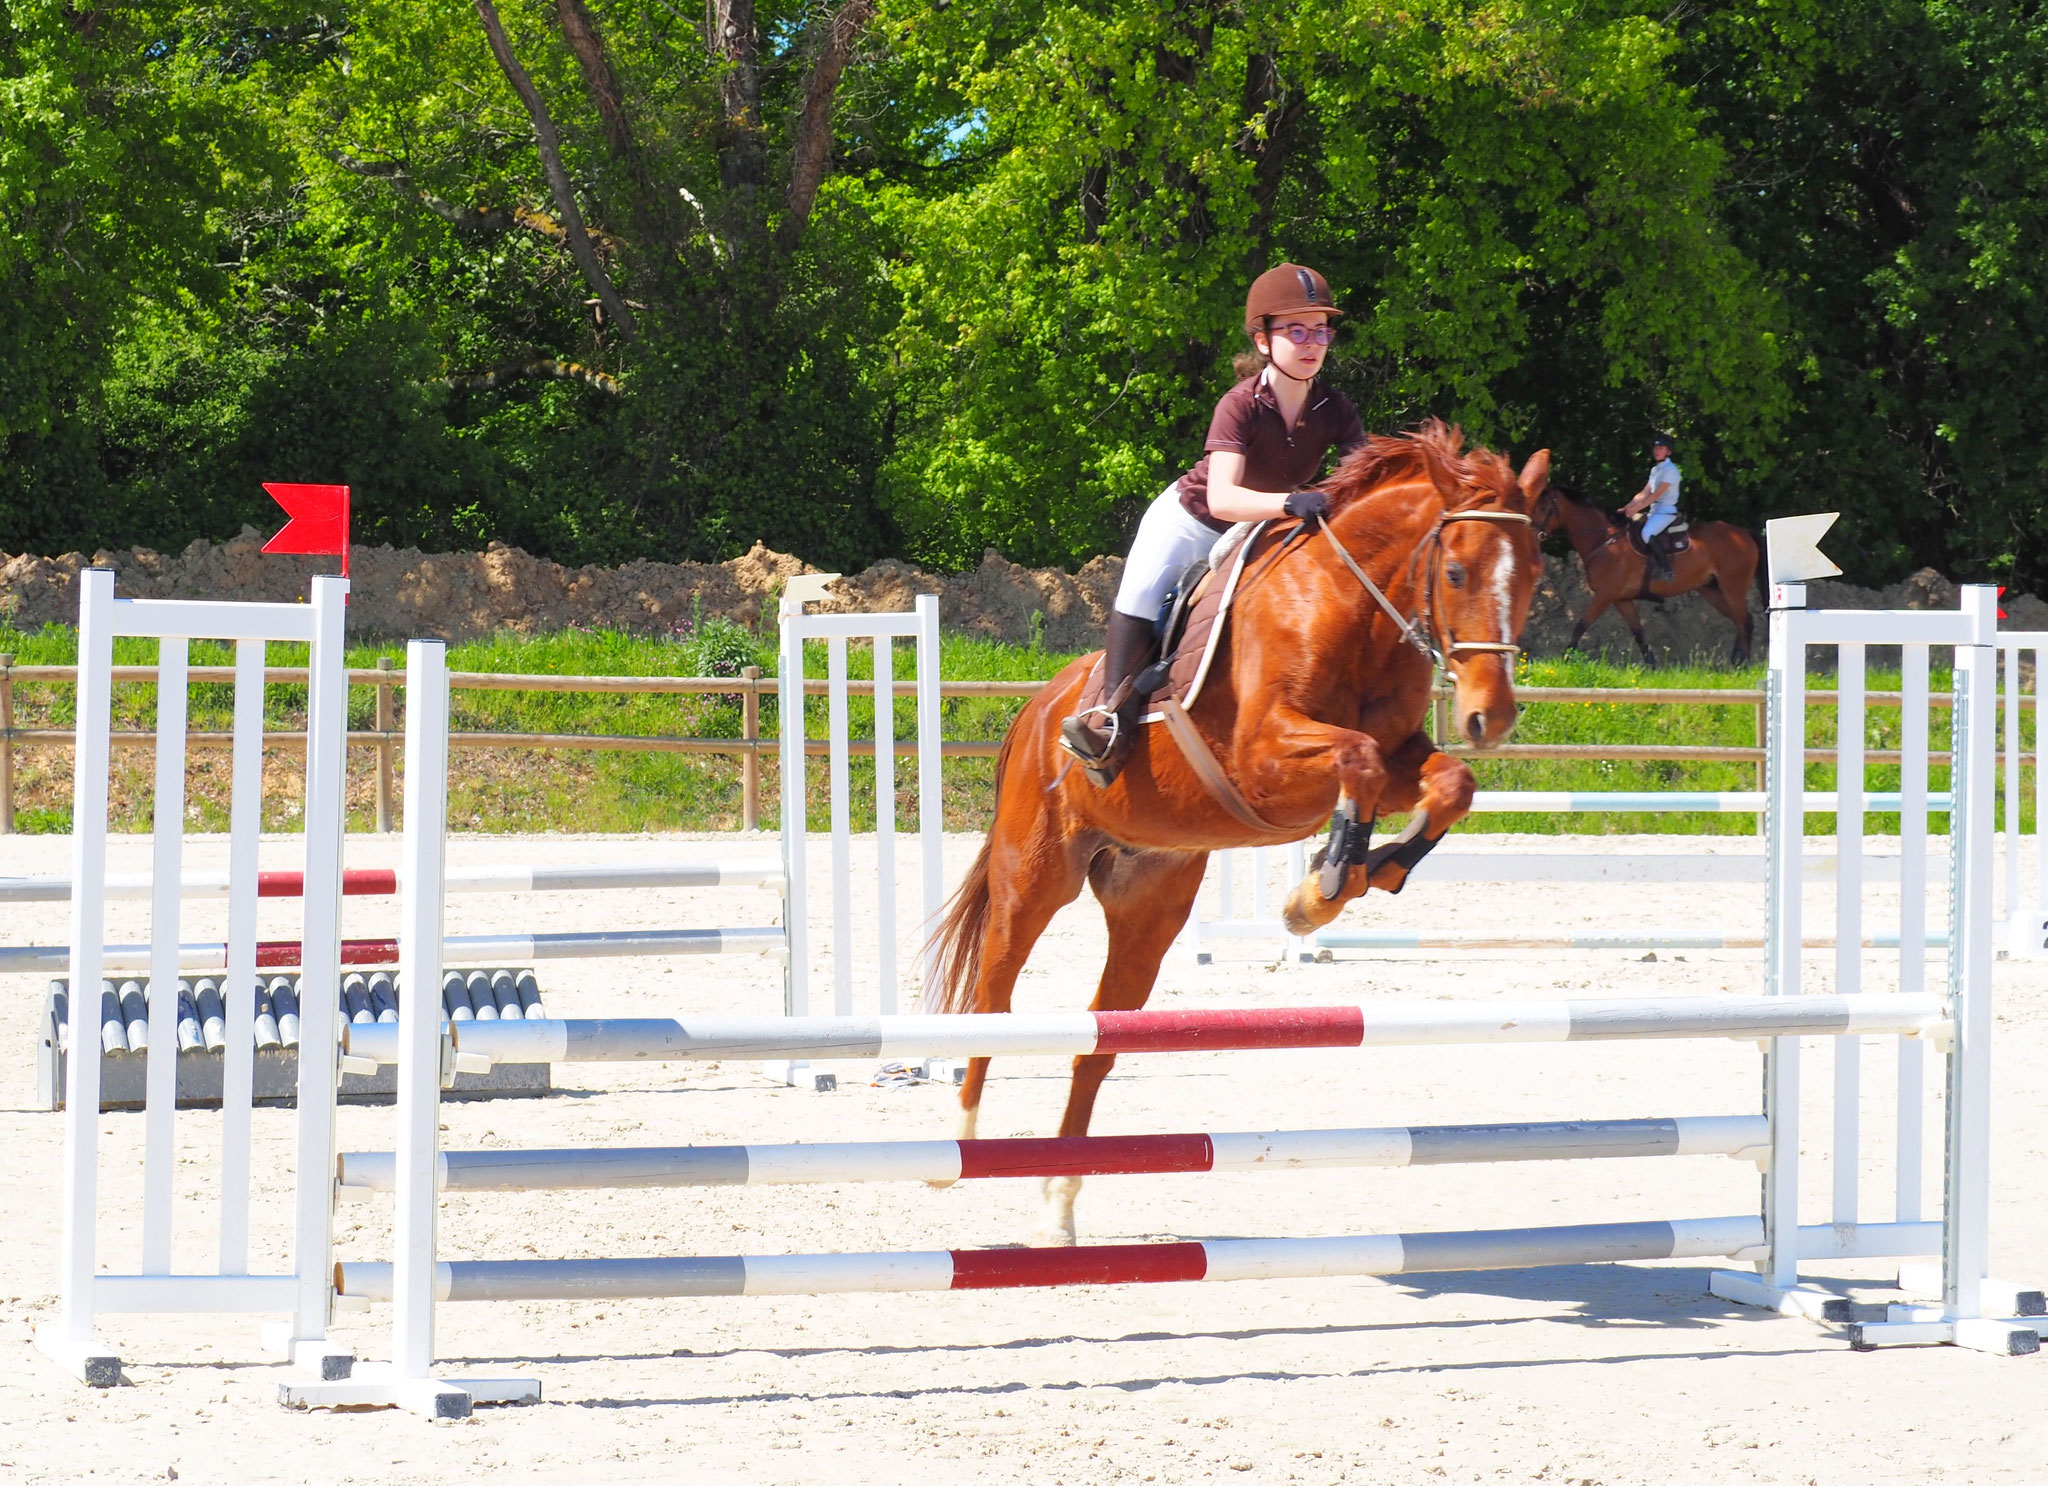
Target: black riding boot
(1660, 561)
(1101, 737)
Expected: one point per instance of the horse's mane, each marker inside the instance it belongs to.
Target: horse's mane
(1433, 453)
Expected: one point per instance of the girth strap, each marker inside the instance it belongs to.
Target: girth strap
(1202, 759)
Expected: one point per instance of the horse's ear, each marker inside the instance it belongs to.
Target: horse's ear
(1535, 475)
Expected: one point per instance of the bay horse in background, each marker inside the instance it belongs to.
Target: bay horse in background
(1313, 707)
(1720, 565)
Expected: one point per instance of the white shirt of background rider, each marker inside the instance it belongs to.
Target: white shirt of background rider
(1664, 481)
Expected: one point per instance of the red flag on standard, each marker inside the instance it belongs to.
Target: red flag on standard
(319, 520)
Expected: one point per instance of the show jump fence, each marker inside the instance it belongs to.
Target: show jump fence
(862, 953)
(1971, 1310)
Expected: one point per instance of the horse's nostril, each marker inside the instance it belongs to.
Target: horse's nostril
(1475, 727)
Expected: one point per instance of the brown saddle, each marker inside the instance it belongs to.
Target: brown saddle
(1674, 539)
(1193, 633)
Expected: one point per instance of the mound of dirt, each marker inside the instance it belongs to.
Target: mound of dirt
(400, 592)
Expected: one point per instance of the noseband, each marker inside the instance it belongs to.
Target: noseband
(1432, 572)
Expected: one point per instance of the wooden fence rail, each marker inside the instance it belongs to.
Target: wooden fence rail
(750, 686)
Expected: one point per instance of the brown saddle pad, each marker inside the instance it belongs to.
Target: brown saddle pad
(1200, 637)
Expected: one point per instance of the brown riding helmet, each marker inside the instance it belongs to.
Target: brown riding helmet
(1287, 290)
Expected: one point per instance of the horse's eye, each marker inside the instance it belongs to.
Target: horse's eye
(1454, 574)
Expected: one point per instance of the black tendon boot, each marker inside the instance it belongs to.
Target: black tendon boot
(1101, 737)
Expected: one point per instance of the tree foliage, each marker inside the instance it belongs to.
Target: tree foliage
(611, 278)
(1512, 200)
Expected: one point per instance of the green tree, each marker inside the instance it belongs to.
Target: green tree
(120, 147)
(1515, 202)
(1889, 169)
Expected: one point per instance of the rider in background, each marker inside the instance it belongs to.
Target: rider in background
(1659, 496)
(1269, 436)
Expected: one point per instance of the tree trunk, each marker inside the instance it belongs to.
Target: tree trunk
(812, 154)
(651, 211)
(1094, 202)
(579, 29)
(1265, 94)
(742, 151)
(550, 145)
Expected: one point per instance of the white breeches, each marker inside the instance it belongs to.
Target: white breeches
(1168, 540)
(1656, 521)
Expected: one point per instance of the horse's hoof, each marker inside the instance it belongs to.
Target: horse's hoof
(1308, 910)
(1054, 1238)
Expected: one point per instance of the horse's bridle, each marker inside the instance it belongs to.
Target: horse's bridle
(1432, 572)
(1615, 533)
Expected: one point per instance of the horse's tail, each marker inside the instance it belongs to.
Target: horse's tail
(956, 944)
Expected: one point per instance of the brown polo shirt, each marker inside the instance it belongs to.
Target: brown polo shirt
(1276, 458)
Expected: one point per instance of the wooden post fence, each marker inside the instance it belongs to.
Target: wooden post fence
(6, 744)
(750, 761)
(385, 745)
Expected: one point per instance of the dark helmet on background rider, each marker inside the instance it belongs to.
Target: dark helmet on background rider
(1663, 441)
(1287, 290)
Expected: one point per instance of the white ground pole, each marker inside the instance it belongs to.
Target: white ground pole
(921, 628)
(1260, 922)
(158, 1287)
(1971, 630)
(2026, 910)
(408, 1380)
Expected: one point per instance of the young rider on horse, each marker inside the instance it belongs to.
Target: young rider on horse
(1659, 496)
(1269, 436)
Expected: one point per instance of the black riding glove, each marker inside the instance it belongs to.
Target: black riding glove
(1304, 504)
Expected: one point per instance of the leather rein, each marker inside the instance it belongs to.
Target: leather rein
(1195, 748)
(1432, 567)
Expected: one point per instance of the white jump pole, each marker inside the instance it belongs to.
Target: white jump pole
(1910, 1136)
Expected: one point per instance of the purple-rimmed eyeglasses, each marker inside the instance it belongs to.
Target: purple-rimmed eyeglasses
(1302, 335)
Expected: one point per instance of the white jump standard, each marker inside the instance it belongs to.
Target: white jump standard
(301, 1292)
(1962, 1317)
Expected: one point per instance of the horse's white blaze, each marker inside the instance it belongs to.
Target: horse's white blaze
(1504, 589)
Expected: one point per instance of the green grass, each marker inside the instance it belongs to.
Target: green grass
(525, 790)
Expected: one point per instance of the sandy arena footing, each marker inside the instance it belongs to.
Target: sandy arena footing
(1598, 1374)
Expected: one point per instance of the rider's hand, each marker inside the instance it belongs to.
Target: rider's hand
(1306, 503)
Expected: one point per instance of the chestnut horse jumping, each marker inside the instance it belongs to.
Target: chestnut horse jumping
(1314, 705)
(1720, 564)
